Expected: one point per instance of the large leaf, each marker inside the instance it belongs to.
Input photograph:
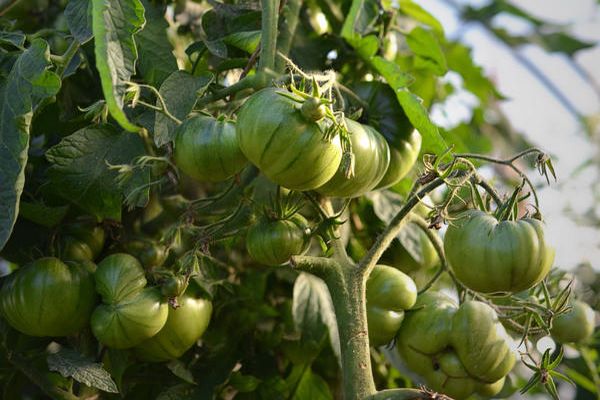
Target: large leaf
(79, 19)
(427, 49)
(27, 84)
(70, 363)
(114, 23)
(156, 60)
(360, 21)
(308, 385)
(179, 102)
(80, 169)
(417, 12)
(419, 117)
(313, 311)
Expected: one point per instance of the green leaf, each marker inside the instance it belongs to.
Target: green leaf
(417, 12)
(117, 364)
(16, 39)
(70, 363)
(42, 214)
(313, 311)
(114, 23)
(179, 369)
(393, 74)
(309, 386)
(418, 116)
(178, 392)
(79, 19)
(156, 61)
(246, 41)
(581, 380)
(244, 383)
(360, 21)
(26, 86)
(179, 102)
(561, 42)
(428, 51)
(81, 174)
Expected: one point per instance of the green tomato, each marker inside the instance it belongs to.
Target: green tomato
(148, 252)
(48, 297)
(288, 148)
(459, 351)
(184, 326)
(576, 325)
(371, 161)
(389, 293)
(131, 312)
(491, 256)
(386, 115)
(207, 149)
(83, 241)
(274, 242)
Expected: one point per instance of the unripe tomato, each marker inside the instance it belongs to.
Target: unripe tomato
(184, 326)
(274, 242)
(288, 148)
(491, 256)
(576, 325)
(371, 161)
(82, 241)
(48, 297)
(173, 287)
(207, 149)
(386, 115)
(150, 254)
(131, 312)
(389, 292)
(400, 258)
(312, 109)
(459, 351)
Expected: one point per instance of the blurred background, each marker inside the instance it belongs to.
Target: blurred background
(544, 57)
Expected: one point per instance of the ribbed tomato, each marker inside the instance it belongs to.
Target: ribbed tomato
(184, 326)
(488, 255)
(575, 325)
(287, 147)
(207, 149)
(48, 297)
(371, 161)
(275, 241)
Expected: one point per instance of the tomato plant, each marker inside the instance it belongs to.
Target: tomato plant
(281, 199)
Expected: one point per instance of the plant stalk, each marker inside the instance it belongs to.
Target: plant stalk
(268, 45)
(291, 12)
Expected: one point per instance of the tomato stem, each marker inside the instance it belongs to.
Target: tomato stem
(268, 45)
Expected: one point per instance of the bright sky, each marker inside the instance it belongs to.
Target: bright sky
(540, 116)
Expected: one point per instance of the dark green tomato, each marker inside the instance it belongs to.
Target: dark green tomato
(457, 350)
(184, 326)
(173, 287)
(48, 297)
(402, 159)
(131, 312)
(389, 293)
(288, 148)
(386, 115)
(575, 325)
(82, 241)
(371, 161)
(274, 242)
(491, 256)
(148, 252)
(207, 149)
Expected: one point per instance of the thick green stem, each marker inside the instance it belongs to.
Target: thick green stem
(405, 394)
(256, 81)
(268, 45)
(290, 12)
(347, 287)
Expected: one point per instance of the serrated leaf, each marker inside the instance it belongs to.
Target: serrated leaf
(418, 116)
(156, 61)
(81, 174)
(313, 311)
(428, 51)
(393, 74)
(114, 22)
(28, 83)
(179, 369)
(417, 12)
(179, 102)
(42, 214)
(79, 19)
(16, 39)
(70, 363)
(360, 21)
(246, 41)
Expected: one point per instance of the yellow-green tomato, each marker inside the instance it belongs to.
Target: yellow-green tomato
(184, 326)
(575, 325)
(389, 293)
